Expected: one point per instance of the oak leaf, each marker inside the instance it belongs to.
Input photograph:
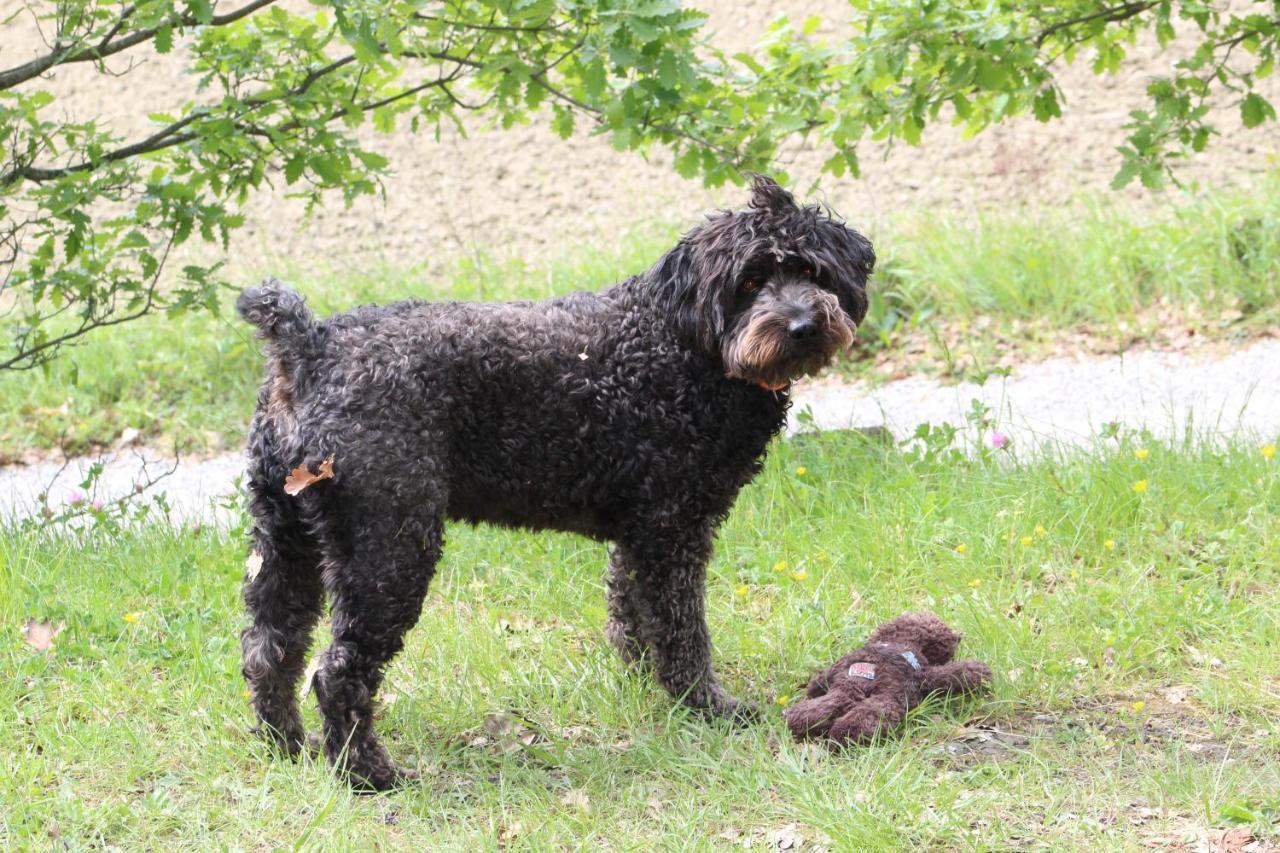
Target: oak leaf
(301, 477)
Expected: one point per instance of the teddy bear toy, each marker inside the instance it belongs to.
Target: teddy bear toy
(869, 691)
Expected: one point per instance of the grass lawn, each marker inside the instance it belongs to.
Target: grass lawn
(1133, 633)
(969, 289)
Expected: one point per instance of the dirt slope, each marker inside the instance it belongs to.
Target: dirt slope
(526, 193)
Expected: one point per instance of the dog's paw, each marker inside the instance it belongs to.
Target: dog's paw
(721, 705)
(375, 780)
(288, 744)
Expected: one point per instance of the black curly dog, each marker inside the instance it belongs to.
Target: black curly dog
(633, 415)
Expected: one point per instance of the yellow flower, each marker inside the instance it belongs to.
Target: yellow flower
(1110, 544)
(1142, 453)
(975, 583)
(801, 471)
(780, 566)
(1140, 486)
(1026, 540)
(784, 698)
(1268, 451)
(1040, 531)
(961, 548)
(799, 575)
(1139, 705)
(742, 591)
(131, 618)
(247, 694)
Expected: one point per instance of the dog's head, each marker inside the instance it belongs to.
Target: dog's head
(775, 290)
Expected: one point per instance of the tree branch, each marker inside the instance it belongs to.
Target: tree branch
(165, 137)
(107, 47)
(26, 359)
(1111, 15)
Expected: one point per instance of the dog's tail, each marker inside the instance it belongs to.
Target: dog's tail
(283, 319)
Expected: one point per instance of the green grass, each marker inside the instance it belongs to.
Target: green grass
(134, 734)
(1094, 262)
(1214, 260)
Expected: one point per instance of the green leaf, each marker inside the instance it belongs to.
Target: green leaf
(593, 78)
(1255, 109)
(293, 168)
(990, 75)
(1046, 105)
(202, 10)
(562, 123)
(164, 39)
(372, 160)
(657, 8)
(327, 168)
(1125, 175)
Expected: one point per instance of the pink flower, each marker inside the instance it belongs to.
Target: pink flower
(75, 498)
(998, 440)
(97, 505)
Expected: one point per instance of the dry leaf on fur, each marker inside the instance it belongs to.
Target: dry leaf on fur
(40, 635)
(252, 566)
(309, 676)
(301, 477)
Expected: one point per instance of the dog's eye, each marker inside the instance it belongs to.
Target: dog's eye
(807, 271)
(751, 285)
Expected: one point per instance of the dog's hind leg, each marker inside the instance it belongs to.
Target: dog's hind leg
(283, 594)
(378, 581)
(667, 571)
(623, 627)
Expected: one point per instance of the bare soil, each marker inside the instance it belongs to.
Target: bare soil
(525, 193)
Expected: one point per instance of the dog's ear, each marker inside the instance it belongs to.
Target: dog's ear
(674, 279)
(767, 195)
(847, 258)
(694, 282)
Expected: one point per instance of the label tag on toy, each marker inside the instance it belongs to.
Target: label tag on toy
(911, 659)
(863, 670)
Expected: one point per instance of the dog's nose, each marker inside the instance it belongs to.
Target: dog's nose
(802, 330)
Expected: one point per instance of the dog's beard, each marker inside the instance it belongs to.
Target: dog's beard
(761, 350)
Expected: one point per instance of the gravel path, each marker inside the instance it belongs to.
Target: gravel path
(1062, 402)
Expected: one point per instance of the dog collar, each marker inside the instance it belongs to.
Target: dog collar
(910, 658)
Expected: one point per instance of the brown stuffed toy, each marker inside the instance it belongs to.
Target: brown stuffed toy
(869, 691)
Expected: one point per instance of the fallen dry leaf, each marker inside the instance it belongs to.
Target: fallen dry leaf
(301, 477)
(509, 832)
(1175, 695)
(498, 724)
(577, 798)
(1232, 840)
(252, 566)
(785, 838)
(40, 635)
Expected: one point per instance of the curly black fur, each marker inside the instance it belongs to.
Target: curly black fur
(634, 415)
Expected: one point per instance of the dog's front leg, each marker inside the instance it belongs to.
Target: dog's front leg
(664, 574)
